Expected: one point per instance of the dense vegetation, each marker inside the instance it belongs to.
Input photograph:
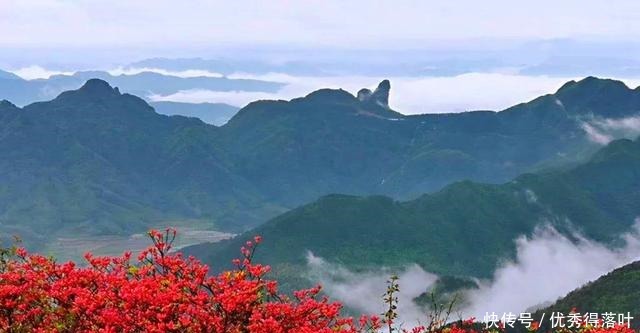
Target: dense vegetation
(98, 161)
(617, 292)
(160, 291)
(464, 229)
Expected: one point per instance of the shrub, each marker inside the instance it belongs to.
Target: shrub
(160, 291)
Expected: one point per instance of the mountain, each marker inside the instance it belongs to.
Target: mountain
(211, 113)
(465, 229)
(95, 160)
(8, 76)
(143, 84)
(617, 292)
(333, 142)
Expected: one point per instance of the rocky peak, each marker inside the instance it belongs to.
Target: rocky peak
(380, 96)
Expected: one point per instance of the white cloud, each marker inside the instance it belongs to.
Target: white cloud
(36, 72)
(605, 130)
(595, 135)
(409, 95)
(547, 267)
(236, 98)
(363, 291)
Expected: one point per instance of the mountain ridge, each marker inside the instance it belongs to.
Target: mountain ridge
(144, 84)
(111, 157)
(465, 229)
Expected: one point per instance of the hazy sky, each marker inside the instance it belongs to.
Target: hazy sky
(341, 24)
(442, 56)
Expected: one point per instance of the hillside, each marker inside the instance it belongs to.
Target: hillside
(98, 161)
(465, 229)
(95, 161)
(331, 142)
(617, 292)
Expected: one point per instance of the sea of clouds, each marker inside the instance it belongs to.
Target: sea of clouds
(547, 266)
(409, 95)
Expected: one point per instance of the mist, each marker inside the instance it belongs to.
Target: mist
(409, 94)
(605, 130)
(363, 291)
(546, 267)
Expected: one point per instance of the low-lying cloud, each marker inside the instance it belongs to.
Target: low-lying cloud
(36, 72)
(547, 266)
(605, 130)
(363, 291)
(409, 95)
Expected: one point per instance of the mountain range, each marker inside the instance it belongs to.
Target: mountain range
(95, 160)
(464, 230)
(144, 84)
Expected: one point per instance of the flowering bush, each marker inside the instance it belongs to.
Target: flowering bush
(160, 291)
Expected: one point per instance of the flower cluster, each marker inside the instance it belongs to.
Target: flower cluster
(161, 291)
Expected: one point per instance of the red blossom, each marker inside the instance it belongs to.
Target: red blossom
(163, 292)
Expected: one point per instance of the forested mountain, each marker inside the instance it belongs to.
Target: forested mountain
(95, 160)
(101, 162)
(465, 229)
(617, 292)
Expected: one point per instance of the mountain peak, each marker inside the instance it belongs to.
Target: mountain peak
(331, 95)
(7, 107)
(379, 96)
(6, 104)
(592, 84)
(92, 90)
(598, 97)
(98, 87)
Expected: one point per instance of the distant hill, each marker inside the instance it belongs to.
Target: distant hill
(8, 76)
(145, 84)
(101, 161)
(211, 113)
(465, 229)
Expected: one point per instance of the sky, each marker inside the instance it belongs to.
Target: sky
(441, 56)
(340, 24)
